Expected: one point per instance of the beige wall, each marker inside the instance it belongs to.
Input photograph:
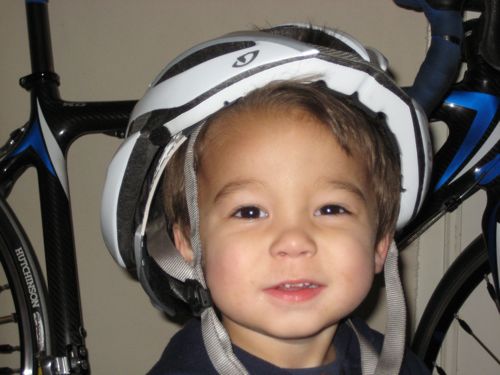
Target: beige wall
(111, 49)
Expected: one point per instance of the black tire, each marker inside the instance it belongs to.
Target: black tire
(461, 279)
(27, 289)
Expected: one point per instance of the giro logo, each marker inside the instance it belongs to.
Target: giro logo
(245, 59)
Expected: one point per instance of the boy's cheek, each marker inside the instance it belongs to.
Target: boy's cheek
(221, 275)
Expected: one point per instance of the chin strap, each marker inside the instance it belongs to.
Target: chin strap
(394, 345)
(391, 357)
(218, 345)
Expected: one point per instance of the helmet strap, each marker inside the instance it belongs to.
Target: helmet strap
(394, 345)
(191, 187)
(218, 345)
(390, 359)
(215, 338)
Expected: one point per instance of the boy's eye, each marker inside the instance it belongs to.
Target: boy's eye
(331, 209)
(250, 212)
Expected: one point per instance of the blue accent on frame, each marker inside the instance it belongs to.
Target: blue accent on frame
(37, 1)
(34, 139)
(485, 106)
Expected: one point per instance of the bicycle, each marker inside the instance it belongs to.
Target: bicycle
(477, 91)
(51, 340)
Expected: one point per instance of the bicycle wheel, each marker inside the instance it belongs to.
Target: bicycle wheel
(22, 281)
(467, 273)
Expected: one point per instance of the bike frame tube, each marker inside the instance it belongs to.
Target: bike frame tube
(44, 142)
(60, 254)
(59, 123)
(39, 36)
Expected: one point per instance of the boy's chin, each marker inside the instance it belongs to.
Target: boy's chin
(287, 329)
(302, 331)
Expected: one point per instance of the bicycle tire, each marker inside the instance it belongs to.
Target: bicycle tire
(461, 279)
(28, 291)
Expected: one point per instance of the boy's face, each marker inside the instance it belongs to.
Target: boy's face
(287, 224)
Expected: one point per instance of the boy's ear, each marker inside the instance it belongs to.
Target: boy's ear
(381, 249)
(182, 244)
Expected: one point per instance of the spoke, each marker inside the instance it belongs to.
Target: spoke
(492, 292)
(8, 319)
(5, 349)
(468, 329)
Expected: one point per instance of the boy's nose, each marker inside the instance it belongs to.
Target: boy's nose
(293, 242)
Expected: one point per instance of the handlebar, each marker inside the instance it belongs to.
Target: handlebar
(439, 68)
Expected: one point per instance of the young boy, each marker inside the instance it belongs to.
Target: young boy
(298, 200)
(282, 205)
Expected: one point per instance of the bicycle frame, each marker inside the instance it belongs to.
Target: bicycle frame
(43, 142)
(54, 124)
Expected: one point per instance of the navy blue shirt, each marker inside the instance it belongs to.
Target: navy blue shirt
(186, 354)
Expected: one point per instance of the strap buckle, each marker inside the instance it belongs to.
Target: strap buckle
(196, 296)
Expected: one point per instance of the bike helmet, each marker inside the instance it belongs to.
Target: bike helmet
(199, 83)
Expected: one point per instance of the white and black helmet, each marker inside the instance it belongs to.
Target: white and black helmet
(194, 86)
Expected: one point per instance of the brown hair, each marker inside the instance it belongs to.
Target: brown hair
(361, 135)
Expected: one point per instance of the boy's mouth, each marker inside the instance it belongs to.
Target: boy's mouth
(295, 291)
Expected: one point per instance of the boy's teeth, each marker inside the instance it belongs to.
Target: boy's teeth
(298, 285)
